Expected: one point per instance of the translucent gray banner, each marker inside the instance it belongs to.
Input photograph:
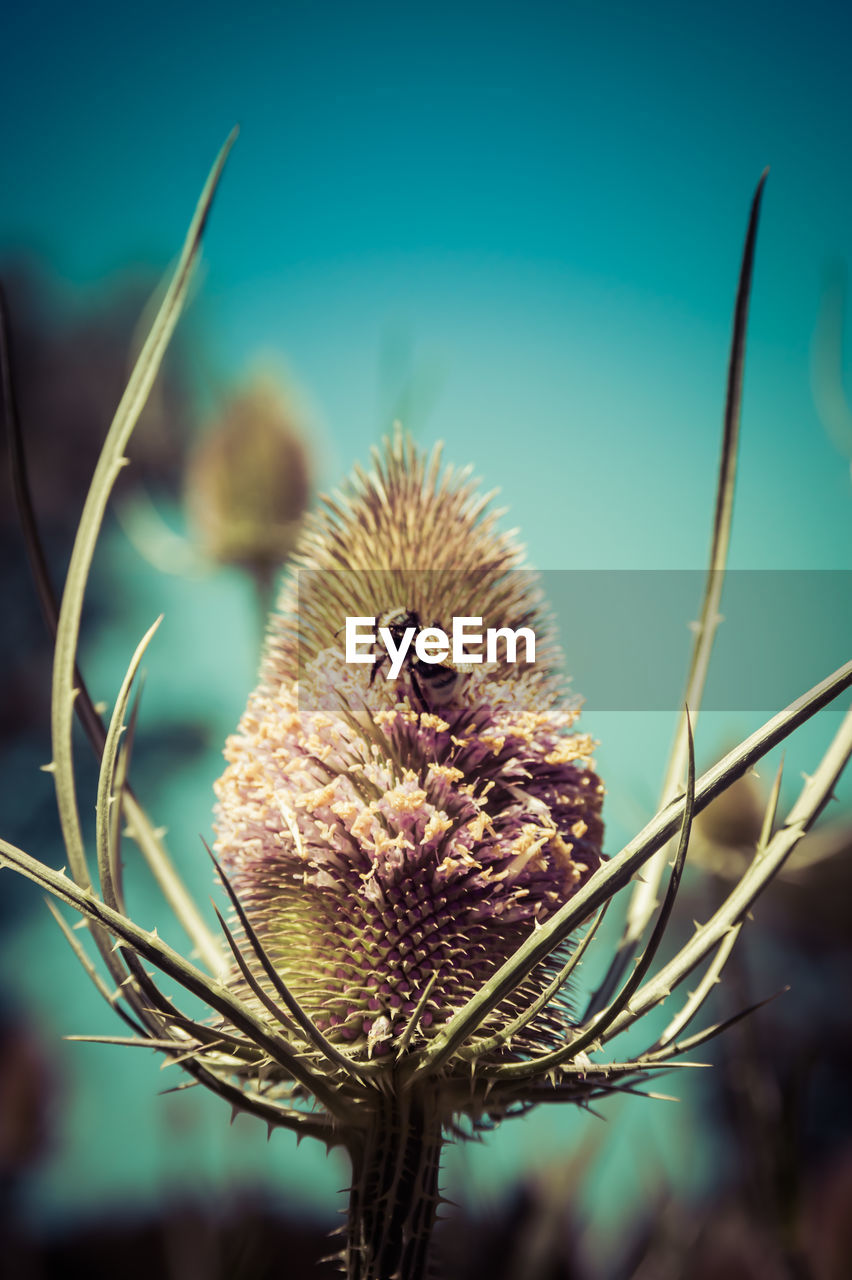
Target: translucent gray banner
(625, 636)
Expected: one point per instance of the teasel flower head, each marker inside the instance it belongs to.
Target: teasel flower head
(392, 843)
(248, 480)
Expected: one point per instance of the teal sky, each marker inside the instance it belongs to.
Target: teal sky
(542, 208)
(546, 205)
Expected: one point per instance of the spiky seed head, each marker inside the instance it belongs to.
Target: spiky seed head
(378, 841)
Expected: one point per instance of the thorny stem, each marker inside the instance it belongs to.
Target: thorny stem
(394, 1195)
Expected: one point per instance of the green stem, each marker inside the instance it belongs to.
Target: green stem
(394, 1195)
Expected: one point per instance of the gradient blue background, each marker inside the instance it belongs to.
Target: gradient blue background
(541, 210)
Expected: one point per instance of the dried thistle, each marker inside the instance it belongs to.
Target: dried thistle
(353, 818)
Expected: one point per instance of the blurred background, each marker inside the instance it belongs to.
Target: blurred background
(519, 231)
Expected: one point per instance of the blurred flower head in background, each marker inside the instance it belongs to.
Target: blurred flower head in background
(248, 480)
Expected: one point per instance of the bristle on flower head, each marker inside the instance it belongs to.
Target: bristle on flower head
(379, 838)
